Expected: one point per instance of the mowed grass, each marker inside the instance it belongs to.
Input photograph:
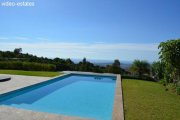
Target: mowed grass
(145, 100)
(30, 73)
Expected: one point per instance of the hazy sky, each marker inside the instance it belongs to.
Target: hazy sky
(95, 29)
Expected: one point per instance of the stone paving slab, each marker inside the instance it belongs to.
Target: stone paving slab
(19, 81)
(9, 113)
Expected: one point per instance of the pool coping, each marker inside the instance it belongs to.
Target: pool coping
(118, 109)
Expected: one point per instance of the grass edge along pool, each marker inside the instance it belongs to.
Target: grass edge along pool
(95, 91)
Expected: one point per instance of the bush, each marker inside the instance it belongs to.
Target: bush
(17, 65)
(147, 78)
(163, 82)
(171, 87)
(178, 90)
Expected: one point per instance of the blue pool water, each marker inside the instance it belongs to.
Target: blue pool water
(74, 95)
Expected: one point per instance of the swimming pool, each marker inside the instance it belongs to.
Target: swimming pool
(87, 96)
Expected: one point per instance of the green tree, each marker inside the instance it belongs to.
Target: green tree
(116, 63)
(84, 61)
(115, 67)
(140, 67)
(170, 55)
(17, 51)
(86, 66)
(157, 69)
(70, 64)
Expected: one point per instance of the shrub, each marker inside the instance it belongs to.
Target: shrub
(178, 90)
(171, 87)
(17, 65)
(163, 82)
(147, 78)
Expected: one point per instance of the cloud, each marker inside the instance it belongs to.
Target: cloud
(42, 39)
(21, 38)
(11, 39)
(84, 46)
(123, 51)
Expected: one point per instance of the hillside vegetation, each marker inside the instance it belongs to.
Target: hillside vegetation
(17, 60)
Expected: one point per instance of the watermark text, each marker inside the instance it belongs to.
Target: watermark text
(17, 4)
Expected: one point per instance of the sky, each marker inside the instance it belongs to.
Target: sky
(95, 29)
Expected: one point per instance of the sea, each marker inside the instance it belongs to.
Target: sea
(124, 64)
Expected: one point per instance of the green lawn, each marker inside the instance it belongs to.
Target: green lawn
(145, 100)
(30, 73)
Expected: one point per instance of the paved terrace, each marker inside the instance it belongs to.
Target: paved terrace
(19, 81)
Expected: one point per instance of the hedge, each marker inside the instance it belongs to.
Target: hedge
(17, 65)
(147, 78)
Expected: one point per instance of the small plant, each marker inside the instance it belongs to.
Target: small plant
(178, 90)
(171, 87)
(166, 89)
(163, 82)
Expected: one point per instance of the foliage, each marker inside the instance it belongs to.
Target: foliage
(178, 90)
(60, 64)
(157, 69)
(140, 68)
(17, 65)
(17, 51)
(170, 53)
(163, 82)
(144, 77)
(114, 68)
(86, 66)
(170, 56)
(63, 64)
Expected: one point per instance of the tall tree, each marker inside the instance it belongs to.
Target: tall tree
(115, 67)
(117, 63)
(140, 67)
(85, 65)
(17, 51)
(170, 55)
(84, 61)
(158, 70)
